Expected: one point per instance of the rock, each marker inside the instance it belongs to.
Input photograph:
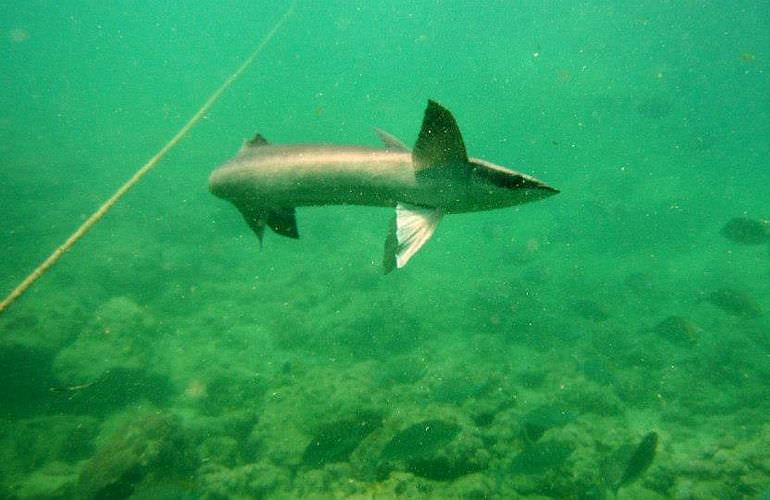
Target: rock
(655, 107)
(678, 330)
(734, 302)
(747, 231)
(541, 457)
(256, 480)
(545, 417)
(434, 449)
(136, 450)
(121, 334)
(335, 441)
(53, 480)
(420, 439)
(590, 309)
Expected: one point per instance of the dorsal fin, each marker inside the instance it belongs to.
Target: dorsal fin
(440, 143)
(257, 142)
(390, 141)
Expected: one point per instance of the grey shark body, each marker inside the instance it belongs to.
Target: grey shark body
(266, 182)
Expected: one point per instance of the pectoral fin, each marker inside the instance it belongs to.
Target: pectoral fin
(281, 220)
(411, 228)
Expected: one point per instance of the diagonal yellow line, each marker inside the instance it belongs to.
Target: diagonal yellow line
(107, 205)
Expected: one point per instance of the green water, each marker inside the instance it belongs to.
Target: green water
(166, 356)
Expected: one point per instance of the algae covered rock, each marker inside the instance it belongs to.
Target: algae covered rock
(592, 310)
(544, 417)
(25, 377)
(747, 231)
(678, 330)
(335, 441)
(39, 456)
(420, 439)
(734, 302)
(111, 362)
(53, 480)
(255, 480)
(33, 441)
(541, 457)
(121, 334)
(146, 446)
(434, 449)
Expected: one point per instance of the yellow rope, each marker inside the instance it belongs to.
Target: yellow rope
(96, 216)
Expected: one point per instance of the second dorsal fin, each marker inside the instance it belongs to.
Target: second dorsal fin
(390, 141)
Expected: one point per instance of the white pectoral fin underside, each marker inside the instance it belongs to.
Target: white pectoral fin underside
(411, 228)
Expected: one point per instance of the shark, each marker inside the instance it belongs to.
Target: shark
(267, 182)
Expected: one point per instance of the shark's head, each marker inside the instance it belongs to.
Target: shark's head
(493, 186)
